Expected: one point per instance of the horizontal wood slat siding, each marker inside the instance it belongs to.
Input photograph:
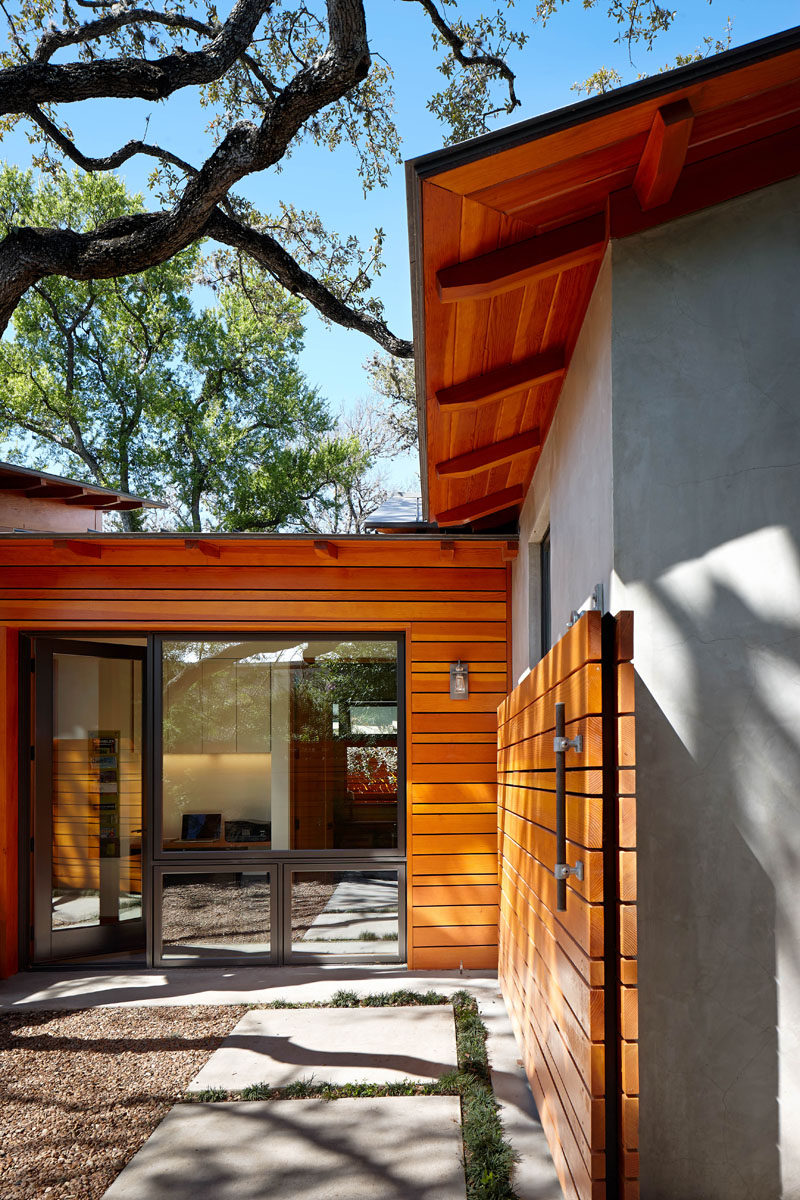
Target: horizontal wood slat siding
(552, 964)
(448, 605)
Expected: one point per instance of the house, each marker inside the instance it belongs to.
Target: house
(238, 748)
(36, 500)
(609, 330)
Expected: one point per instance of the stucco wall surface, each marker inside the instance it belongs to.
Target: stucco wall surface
(571, 490)
(706, 515)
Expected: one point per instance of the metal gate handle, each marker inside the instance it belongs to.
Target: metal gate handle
(562, 869)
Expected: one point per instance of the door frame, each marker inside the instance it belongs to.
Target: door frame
(91, 940)
(157, 862)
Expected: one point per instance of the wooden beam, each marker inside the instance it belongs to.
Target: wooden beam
(462, 514)
(92, 500)
(85, 549)
(664, 154)
(210, 549)
(489, 456)
(325, 549)
(524, 262)
(503, 381)
(447, 550)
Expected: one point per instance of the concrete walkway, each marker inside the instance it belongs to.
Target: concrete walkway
(535, 1177)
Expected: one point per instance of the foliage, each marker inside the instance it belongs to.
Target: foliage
(266, 77)
(393, 379)
(604, 79)
(124, 384)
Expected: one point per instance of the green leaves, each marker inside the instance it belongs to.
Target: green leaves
(124, 383)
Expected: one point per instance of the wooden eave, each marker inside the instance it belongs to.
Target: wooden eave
(40, 485)
(508, 235)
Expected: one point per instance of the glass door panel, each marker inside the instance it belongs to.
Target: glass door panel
(216, 915)
(89, 811)
(347, 914)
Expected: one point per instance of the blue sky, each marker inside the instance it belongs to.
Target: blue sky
(573, 45)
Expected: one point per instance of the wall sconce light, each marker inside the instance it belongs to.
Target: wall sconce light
(459, 680)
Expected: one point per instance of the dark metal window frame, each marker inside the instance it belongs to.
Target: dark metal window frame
(545, 602)
(156, 861)
(35, 817)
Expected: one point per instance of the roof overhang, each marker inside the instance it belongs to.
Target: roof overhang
(39, 485)
(508, 231)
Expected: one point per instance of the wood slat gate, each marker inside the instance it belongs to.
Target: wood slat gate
(569, 978)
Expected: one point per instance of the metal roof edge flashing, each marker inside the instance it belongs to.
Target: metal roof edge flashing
(449, 157)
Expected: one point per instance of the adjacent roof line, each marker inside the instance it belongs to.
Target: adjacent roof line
(37, 477)
(450, 157)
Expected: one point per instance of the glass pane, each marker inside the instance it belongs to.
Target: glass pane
(280, 744)
(344, 746)
(345, 912)
(215, 914)
(97, 791)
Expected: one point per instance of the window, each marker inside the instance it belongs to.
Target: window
(279, 743)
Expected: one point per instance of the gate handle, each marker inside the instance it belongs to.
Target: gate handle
(562, 869)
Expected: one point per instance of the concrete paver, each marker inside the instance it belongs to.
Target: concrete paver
(63, 989)
(334, 1045)
(392, 1148)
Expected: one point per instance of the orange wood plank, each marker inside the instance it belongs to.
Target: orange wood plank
(450, 958)
(490, 387)
(484, 506)
(502, 270)
(489, 456)
(664, 154)
(456, 935)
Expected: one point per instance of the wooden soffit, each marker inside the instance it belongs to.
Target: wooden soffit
(511, 231)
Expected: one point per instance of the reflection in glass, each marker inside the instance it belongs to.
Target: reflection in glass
(279, 744)
(215, 914)
(345, 912)
(97, 791)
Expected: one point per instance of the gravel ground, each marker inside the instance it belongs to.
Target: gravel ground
(81, 1091)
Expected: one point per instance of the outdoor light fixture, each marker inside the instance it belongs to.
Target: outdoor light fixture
(459, 680)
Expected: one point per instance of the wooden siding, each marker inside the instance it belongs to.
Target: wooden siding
(553, 964)
(450, 604)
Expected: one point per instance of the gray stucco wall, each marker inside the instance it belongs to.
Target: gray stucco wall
(706, 516)
(571, 490)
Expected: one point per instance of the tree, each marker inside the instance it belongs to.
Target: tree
(358, 486)
(270, 74)
(128, 386)
(394, 380)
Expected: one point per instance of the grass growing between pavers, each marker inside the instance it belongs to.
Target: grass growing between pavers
(488, 1157)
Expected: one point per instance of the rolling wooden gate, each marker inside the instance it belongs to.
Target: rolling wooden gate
(569, 976)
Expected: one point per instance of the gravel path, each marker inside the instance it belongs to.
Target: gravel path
(81, 1091)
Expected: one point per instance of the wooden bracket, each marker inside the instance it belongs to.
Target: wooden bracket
(210, 549)
(504, 381)
(510, 551)
(447, 550)
(462, 514)
(325, 549)
(664, 154)
(85, 549)
(489, 456)
(524, 262)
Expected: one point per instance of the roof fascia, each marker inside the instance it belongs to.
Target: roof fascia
(427, 166)
(450, 157)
